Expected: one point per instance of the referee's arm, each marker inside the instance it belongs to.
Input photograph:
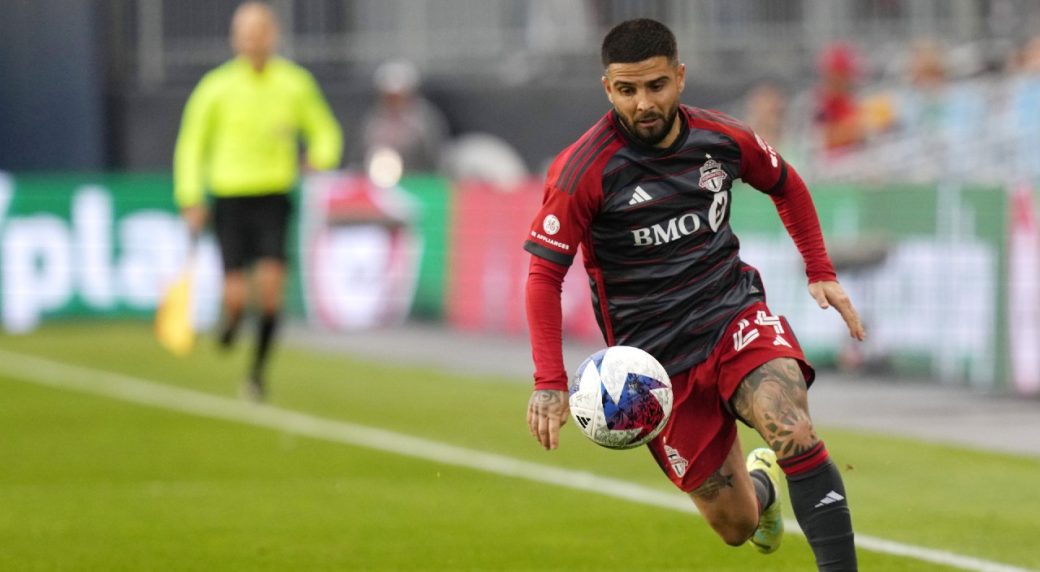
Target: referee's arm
(320, 129)
(189, 156)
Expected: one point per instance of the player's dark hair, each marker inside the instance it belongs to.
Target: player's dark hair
(636, 40)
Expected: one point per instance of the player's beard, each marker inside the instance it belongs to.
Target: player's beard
(653, 135)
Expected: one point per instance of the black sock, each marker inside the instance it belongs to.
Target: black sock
(265, 337)
(818, 499)
(230, 329)
(764, 491)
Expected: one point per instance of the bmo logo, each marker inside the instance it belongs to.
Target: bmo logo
(663, 233)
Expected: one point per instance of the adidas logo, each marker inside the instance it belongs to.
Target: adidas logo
(639, 196)
(831, 498)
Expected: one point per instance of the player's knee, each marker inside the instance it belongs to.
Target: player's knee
(734, 529)
(738, 535)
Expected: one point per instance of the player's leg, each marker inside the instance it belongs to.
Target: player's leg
(773, 399)
(270, 286)
(729, 501)
(228, 219)
(236, 293)
(699, 451)
(765, 476)
(270, 222)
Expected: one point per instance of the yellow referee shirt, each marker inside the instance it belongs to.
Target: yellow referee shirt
(240, 131)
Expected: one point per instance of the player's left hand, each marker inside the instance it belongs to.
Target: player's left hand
(830, 293)
(547, 411)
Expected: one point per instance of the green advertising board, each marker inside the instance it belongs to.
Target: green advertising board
(85, 245)
(924, 265)
(106, 245)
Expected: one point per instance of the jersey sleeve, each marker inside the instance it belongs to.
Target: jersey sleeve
(763, 168)
(560, 224)
(320, 128)
(189, 152)
(760, 165)
(553, 239)
(545, 323)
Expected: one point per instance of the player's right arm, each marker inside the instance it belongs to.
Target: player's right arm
(189, 156)
(553, 239)
(547, 409)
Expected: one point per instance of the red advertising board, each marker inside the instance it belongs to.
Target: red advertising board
(487, 265)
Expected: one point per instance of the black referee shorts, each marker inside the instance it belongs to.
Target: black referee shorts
(251, 228)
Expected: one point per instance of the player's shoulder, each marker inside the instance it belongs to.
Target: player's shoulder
(729, 127)
(216, 75)
(211, 84)
(221, 78)
(575, 162)
(285, 66)
(714, 120)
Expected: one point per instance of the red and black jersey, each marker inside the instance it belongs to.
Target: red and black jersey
(663, 263)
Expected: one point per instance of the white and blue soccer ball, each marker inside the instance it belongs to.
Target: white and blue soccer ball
(620, 397)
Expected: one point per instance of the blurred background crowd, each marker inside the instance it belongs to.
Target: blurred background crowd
(850, 90)
(916, 123)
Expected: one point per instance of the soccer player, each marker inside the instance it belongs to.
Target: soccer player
(646, 193)
(238, 141)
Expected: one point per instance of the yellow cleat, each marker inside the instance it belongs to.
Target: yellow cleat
(770, 529)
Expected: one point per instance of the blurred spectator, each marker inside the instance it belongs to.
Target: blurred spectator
(921, 107)
(484, 157)
(402, 121)
(238, 142)
(772, 112)
(944, 120)
(1024, 111)
(837, 114)
(765, 110)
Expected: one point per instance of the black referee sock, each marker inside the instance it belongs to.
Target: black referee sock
(265, 337)
(230, 330)
(818, 499)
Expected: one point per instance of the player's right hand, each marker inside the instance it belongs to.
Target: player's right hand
(195, 217)
(547, 411)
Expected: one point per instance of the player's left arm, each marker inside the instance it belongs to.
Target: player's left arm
(763, 168)
(829, 293)
(320, 128)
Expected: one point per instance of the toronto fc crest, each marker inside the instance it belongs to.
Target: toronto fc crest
(679, 464)
(713, 178)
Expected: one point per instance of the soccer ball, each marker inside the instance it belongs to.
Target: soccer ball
(620, 397)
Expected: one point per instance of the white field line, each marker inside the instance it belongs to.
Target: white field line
(143, 392)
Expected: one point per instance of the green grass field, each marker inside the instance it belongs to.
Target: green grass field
(95, 483)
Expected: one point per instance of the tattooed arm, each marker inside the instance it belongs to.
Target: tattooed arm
(546, 413)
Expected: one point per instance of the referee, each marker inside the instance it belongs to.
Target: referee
(238, 142)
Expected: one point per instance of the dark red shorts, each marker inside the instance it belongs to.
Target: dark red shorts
(702, 428)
